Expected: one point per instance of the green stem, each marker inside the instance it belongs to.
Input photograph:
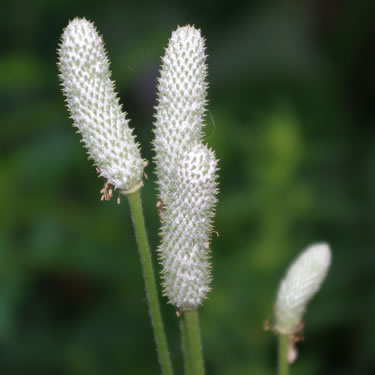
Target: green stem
(185, 346)
(135, 203)
(283, 354)
(192, 343)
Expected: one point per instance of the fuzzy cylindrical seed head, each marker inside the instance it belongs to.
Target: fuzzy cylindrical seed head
(94, 105)
(181, 105)
(186, 171)
(186, 230)
(302, 281)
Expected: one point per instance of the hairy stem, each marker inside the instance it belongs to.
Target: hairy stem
(192, 343)
(283, 354)
(135, 203)
(185, 347)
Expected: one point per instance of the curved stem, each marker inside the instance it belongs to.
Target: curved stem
(135, 203)
(283, 354)
(192, 343)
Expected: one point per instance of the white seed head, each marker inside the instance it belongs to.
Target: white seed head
(94, 105)
(186, 171)
(181, 102)
(302, 281)
(187, 228)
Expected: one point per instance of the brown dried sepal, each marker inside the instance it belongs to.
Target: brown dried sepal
(145, 164)
(161, 208)
(106, 192)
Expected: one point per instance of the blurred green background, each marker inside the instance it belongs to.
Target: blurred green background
(291, 118)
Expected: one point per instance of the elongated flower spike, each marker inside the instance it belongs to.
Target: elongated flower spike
(94, 106)
(186, 230)
(181, 105)
(186, 171)
(302, 281)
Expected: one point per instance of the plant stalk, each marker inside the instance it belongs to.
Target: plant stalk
(192, 343)
(135, 203)
(185, 346)
(283, 354)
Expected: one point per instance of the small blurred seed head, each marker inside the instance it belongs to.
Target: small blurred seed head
(302, 281)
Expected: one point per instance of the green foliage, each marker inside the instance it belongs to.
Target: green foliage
(290, 117)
